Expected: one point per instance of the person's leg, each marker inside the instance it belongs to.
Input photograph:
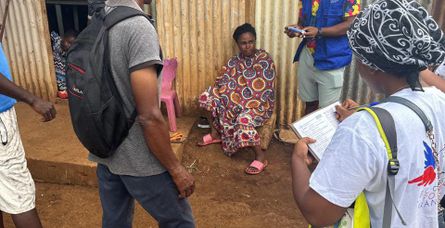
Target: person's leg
(61, 86)
(159, 196)
(17, 189)
(330, 85)
(310, 107)
(61, 82)
(1, 220)
(28, 219)
(307, 85)
(203, 122)
(213, 131)
(260, 154)
(117, 203)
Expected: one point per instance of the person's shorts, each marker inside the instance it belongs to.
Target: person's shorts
(17, 190)
(317, 85)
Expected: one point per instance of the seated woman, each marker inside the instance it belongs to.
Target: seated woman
(242, 99)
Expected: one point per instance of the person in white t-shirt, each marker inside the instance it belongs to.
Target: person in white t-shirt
(356, 159)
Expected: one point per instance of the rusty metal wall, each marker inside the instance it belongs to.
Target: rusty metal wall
(28, 46)
(270, 20)
(354, 87)
(438, 12)
(199, 34)
(271, 17)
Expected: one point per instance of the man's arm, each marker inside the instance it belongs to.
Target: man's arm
(432, 79)
(333, 31)
(44, 108)
(299, 24)
(316, 210)
(144, 84)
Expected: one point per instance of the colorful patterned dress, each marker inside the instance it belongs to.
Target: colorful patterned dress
(59, 61)
(241, 100)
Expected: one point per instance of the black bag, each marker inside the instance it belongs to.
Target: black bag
(96, 107)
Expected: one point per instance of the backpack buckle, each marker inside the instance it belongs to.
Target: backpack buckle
(393, 166)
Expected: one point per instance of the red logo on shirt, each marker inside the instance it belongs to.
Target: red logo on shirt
(429, 174)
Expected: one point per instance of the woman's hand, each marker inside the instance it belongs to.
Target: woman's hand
(346, 109)
(301, 150)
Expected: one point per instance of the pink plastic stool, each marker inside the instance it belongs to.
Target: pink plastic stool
(168, 95)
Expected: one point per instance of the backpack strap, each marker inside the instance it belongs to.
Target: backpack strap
(121, 13)
(117, 15)
(387, 130)
(400, 100)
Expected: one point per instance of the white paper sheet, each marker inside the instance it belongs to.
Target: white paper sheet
(319, 125)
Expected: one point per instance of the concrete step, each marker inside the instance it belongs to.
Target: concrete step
(54, 153)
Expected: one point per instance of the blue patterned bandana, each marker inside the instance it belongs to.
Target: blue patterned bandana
(397, 36)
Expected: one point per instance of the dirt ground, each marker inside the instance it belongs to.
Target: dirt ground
(224, 197)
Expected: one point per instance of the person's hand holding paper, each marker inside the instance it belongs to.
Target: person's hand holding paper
(346, 109)
(319, 125)
(301, 151)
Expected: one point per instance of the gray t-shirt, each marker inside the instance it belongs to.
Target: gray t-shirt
(134, 45)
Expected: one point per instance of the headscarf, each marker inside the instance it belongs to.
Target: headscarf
(397, 37)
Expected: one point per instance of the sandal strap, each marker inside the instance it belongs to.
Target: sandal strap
(207, 138)
(257, 165)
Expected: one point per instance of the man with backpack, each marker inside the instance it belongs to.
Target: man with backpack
(114, 102)
(403, 182)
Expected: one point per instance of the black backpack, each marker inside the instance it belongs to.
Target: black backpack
(96, 107)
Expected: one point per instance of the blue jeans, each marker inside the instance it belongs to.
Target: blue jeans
(157, 194)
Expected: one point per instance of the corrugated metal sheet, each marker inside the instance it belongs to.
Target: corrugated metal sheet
(271, 17)
(270, 20)
(354, 87)
(199, 34)
(28, 46)
(439, 12)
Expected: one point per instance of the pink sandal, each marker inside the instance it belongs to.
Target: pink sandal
(208, 139)
(259, 166)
